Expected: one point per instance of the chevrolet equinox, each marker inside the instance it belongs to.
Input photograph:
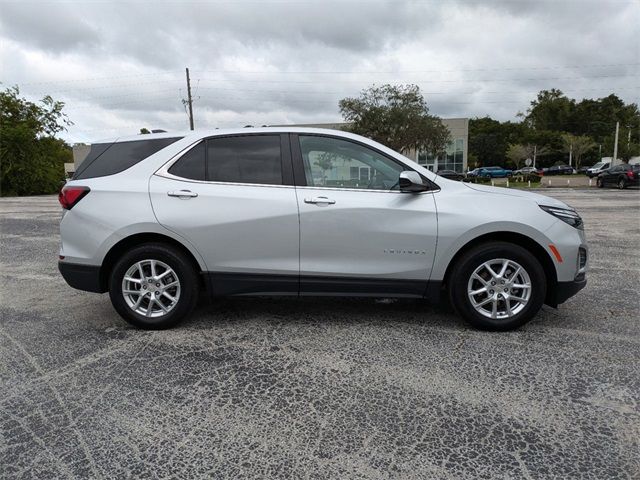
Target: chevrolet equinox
(156, 220)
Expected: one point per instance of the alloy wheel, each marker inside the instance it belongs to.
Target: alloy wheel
(499, 288)
(151, 288)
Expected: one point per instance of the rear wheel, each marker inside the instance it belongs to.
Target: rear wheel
(153, 286)
(622, 183)
(497, 286)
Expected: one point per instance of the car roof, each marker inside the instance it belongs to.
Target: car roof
(201, 133)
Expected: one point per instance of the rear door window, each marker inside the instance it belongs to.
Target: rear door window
(108, 159)
(245, 159)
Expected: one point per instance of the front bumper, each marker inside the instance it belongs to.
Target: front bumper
(565, 290)
(82, 277)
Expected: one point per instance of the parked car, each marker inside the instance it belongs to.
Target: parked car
(583, 170)
(525, 171)
(559, 170)
(493, 172)
(621, 176)
(597, 169)
(450, 174)
(158, 219)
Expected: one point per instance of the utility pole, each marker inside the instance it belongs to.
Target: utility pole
(570, 153)
(615, 145)
(189, 100)
(535, 150)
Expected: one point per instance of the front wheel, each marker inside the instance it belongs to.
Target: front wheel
(153, 286)
(599, 182)
(497, 286)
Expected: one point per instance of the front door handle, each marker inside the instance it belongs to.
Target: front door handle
(182, 193)
(320, 200)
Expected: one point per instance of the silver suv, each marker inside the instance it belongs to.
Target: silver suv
(158, 219)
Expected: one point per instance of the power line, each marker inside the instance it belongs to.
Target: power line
(333, 72)
(147, 94)
(397, 80)
(348, 72)
(102, 87)
(82, 80)
(477, 92)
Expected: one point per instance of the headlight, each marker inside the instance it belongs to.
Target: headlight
(567, 215)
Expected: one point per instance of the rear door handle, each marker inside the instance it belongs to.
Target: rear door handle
(320, 200)
(182, 193)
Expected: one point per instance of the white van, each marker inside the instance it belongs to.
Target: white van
(597, 168)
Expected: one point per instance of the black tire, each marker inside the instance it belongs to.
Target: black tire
(184, 270)
(622, 183)
(599, 182)
(472, 259)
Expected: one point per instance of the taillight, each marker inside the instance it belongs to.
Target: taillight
(70, 195)
(630, 174)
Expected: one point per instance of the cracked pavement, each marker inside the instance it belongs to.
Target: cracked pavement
(318, 388)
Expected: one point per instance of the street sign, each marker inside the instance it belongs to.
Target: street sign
(528, 162)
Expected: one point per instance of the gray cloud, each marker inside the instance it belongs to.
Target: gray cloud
(51, 29)
(120, 65)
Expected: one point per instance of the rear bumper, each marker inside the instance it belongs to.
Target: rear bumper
(565, 290)
(82, 277)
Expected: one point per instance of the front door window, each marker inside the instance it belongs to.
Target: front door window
(332, 162)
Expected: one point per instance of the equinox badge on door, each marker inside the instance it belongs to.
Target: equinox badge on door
(405, 252)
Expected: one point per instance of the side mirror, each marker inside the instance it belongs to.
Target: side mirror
(411, 182)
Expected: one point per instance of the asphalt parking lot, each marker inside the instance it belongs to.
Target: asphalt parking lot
(319, 388)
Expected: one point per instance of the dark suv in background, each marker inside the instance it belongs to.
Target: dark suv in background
(621, 176)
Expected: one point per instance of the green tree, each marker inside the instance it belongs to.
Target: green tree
(597, 118)
(518, 153)
(396, 116)
(546, 145)
(551, 110)
(144, 131)
(489, 139)
(578, 146)
(31, 158)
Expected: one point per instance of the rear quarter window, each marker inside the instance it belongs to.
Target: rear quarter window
(108, 159)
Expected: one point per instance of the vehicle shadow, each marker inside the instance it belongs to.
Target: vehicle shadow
(327, 310)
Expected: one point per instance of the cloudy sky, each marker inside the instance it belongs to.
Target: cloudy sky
(119, 65)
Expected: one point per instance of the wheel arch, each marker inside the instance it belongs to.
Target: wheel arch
(134, 240)
(517, 239)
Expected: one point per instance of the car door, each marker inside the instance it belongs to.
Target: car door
(233, 198)
(358, 233)
(610, 175)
